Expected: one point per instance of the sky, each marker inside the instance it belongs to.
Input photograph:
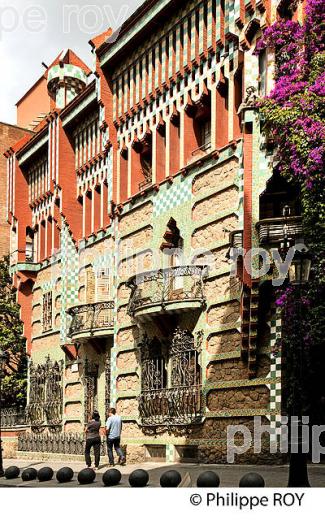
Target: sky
(32, 32)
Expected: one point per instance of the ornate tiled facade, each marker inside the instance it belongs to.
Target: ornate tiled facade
(123, 208)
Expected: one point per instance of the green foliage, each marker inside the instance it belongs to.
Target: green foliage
(293, 116)
(11, 341)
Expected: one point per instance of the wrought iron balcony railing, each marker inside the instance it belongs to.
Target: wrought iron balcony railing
(273, 230)
(202, 150)
(91, 318)
(11, 417)
(171, 406)
(175, 284)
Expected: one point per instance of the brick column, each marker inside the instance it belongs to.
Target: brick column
(190, 137)
(42, 250)
(160, 154)
(248, 167)
(174, 148)
(222, 114)
(49, 237)
(237, 99)
(136, 171)
(97, 208)
(56, 238)
(88, 213)
(123, 160)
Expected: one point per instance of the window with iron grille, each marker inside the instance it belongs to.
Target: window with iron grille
(47, 312)
(171, 392)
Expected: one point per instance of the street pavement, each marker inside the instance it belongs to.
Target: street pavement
(274, 476)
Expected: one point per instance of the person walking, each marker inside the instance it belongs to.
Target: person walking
(113, 433)
(93, 439)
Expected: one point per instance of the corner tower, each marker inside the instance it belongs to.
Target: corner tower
(66, 78)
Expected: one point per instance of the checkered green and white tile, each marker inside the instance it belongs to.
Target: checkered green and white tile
(251, 70)
(70, 266)
(275, 372)
(171, 196)
(170, 452)
(240, 183)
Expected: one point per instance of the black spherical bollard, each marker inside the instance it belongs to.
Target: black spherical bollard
(112, 477)
(45, 474)
(139, 478)
(252, 480)
(12, 472)
(64, 475)
(208, 479)
(29, 474)
(170, 479)
(86, 476)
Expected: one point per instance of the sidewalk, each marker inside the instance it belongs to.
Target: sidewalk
(274, 476)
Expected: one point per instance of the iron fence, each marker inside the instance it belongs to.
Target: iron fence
(63, 443)
(11, 417)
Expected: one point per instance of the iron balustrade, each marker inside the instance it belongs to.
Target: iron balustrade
(91, 317)
(12, 417)
(273, 230)
(145, 184)
(205, 147)
(171, 406)
(64, 443)
(174, 284)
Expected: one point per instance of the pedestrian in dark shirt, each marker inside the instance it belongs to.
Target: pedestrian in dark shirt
(93, 439)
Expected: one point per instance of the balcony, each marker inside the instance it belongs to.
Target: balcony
(24, 259)
(171, 406)
(92, 320)
(236, 239)
(168, 290)
(273, 230)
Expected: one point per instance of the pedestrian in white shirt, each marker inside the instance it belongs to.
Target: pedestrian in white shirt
(113, 435)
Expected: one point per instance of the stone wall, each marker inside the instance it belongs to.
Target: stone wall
(216, 231)
(256, 397)
(216, 203)
(224, 342)
(223, 174)
(223, 314)
(131, 220)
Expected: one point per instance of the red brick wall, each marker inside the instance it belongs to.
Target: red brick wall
(9, 135)
(248, 167)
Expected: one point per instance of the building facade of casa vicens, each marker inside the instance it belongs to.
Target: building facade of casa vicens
(126, 205)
